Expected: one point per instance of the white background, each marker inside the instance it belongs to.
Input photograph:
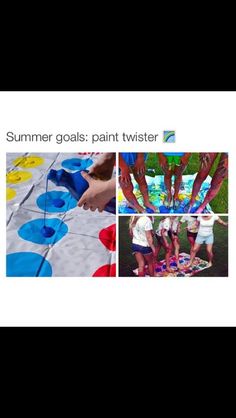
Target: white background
(203, 121)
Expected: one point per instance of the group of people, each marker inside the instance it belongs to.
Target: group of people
(172, 164)
(147, 242)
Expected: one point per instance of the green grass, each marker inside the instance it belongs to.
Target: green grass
(127, 262)
(220, 203)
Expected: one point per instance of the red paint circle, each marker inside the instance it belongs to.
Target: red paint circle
(108, 270)
(108, 237)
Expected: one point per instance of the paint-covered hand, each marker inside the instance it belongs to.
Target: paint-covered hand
(139, 165)
(205, 159)
(163, 162)
(98, 194)
(125, 177)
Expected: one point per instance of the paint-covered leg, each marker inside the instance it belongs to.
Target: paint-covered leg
(141, 264)
(141, 180)
(127, 189)
(206, 162)
(220, 174)
(168, 183)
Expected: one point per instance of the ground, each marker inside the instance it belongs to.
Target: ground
(220, 203)
(127, 262)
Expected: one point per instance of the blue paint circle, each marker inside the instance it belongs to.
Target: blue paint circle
(26, 264)
(77, 164)
(32, 231)
(57, 201)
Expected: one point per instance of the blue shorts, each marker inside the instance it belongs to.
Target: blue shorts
(140, 249)
(131, 157)
(209, 239)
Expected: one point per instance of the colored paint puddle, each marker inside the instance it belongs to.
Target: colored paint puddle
(47, 231)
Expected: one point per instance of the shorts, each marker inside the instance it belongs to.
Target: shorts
(131, 157)
(192, 234)
(172, 234)
(209, 239)
(141, 249)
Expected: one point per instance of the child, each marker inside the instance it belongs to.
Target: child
(206, 235)
(173, 163)
(140, 228)
(161, 235)
(135, 163)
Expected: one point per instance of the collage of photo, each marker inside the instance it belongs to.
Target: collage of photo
(64, 210)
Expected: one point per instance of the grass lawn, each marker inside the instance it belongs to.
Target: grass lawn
(127, 262)
(220, 203)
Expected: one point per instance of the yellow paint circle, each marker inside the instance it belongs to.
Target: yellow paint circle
(28, 162)
(15, 177)
(11, 193)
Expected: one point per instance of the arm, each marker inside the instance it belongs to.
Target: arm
(125, 172)
(140, 164)
(162, 161)
(185, 158)
(220, 221)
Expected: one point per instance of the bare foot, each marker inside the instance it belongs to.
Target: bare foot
(168, 200)
(170, 270)
(136, 206)
(188, 266)
(150, 206)
(209, 264)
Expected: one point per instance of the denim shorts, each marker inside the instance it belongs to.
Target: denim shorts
(209, 239)
(140, 249)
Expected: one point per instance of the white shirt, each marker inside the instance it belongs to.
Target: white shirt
(206, 225)
(164, 224)
(191, 223)
(142, 225)
(174, 224)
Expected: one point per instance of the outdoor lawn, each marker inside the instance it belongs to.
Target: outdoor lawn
(127, 262)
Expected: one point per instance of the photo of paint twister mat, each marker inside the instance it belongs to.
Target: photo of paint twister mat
(59, 239)
(157, 195)
(160, 268)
